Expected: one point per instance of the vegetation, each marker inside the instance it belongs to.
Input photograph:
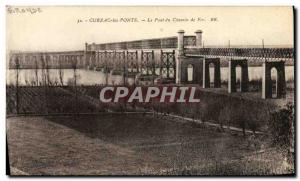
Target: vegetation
(132, 144)
(282, 130)
(190, 156)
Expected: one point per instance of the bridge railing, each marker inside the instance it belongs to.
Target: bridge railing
(156, 43)
(257, 53)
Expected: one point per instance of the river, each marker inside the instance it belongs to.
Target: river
(89, 77)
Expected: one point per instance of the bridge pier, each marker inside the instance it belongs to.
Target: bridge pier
(195, 64)
(198, 38)
(232, 64)
(180, 55)
(184, 62)
(267, 79)
(206, 74)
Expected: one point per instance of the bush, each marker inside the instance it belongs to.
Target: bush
(282, 126)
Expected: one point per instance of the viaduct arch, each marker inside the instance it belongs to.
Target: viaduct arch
(267, 80)
(232, 64)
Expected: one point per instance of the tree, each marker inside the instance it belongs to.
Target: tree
(225, 116)
(124, 69)
(48, 80)
(17, 62)
(61, 74)
(74, 67)
(44, 82)
(36, 68)
(281, 125)
(282, 129)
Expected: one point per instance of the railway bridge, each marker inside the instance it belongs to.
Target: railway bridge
(178, 59)
(185, 60)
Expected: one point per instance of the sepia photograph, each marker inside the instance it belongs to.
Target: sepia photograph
(150, 91)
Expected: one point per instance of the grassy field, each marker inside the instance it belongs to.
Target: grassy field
(134, 145)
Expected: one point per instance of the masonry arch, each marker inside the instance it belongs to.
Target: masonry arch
(215, 64)
(190, 73)
(244, 79)
(182, 69)
(273, 82)
(238, 78)
(212, 74)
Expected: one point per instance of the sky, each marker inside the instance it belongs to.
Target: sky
(56, 28)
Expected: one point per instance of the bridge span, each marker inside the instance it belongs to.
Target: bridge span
(170, 59)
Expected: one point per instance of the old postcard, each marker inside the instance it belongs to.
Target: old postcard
(150, 91)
